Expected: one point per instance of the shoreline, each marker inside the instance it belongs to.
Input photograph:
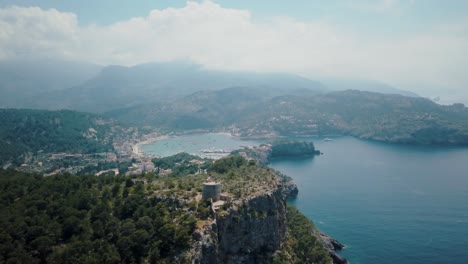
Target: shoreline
(136, 149)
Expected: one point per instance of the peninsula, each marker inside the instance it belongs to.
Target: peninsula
(158, 219)
(281, 148)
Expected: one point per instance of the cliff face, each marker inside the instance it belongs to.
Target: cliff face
(252, 223)
(333, 245)
(293, 149)
(279, 149)
(253, 232)
(249, 231)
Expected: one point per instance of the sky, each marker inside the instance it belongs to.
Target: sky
(416, 45)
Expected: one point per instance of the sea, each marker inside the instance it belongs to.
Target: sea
(387, 203)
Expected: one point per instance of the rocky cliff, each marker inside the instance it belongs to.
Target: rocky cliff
(292, 148)
(278, 149)
(253, 230)
(252, 222)
(332, 245)
(249, 231)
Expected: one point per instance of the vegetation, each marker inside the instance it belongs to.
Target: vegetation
(24, 132)
(382, 117)
(293, 148)
(181, 164)
(227, 164)
(139, 219)
(111, 219)
(263, 153)
(88, 219)
(389, 118)
(240, 178)
(92, 169)
(302, 244)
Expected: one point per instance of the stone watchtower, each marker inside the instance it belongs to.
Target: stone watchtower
(211, 190)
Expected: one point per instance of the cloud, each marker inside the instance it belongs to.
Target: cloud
(222, 38)
(33, 30)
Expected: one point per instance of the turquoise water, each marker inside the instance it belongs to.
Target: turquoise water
(195, 144)
(386, 203)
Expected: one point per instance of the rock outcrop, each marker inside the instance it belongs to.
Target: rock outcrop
(249, 231)
(290, 190)
(279, 149)
(253, 232)
(332, 245)
(252, 229)
(292, 148)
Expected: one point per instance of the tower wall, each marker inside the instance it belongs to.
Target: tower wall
(211, 190)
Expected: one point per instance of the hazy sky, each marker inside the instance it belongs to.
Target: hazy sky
(418, 45)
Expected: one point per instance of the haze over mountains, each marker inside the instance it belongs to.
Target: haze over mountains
(364, 85)
(116, 86)
(178, 96)
(55, 84)
(22, 79)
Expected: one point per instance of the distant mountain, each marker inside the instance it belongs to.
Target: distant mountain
(54, 84)
(200, 110)
(364, 85)
(22, 79)
(381, 117)
(204, 109)
(117, 87)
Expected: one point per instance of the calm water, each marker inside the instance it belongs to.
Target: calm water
(195, 144)
(387, 203)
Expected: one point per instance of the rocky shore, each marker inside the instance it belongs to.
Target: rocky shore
(279, 149)
(332, 246)
(252, 229)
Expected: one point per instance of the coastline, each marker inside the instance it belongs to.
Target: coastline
(331, 245)
(136, 149)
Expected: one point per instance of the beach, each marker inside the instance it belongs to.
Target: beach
(136, 149)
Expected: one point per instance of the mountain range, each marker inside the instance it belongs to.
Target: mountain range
(117, 87)
(23, 79)
(389, 118)
(54, 84)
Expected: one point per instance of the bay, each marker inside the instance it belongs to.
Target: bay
(387, 203)
(196, 144)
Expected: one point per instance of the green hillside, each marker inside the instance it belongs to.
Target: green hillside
(24, 132)
(244, 112)
(138, 219)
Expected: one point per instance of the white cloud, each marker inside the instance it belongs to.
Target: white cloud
(222, 38)
(33, 30)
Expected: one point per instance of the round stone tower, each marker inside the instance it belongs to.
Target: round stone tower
(211, 190)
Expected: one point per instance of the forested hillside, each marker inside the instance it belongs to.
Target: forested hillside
(382, 117)
(87, 219)
(388, 118)
(138, 219)
(24, 132)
